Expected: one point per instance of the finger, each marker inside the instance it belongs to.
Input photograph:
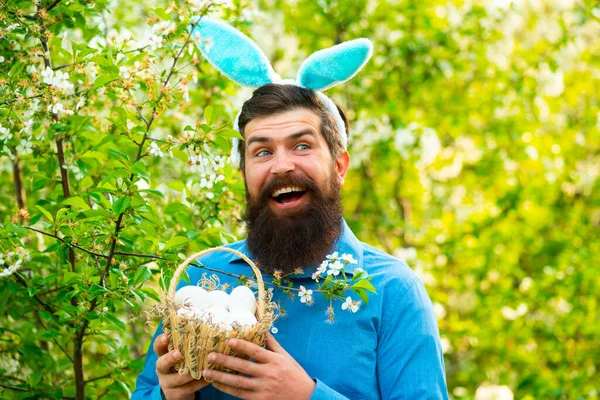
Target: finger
(188, 388)
(235, 385)
(231, 380)
(165, 362)
(250, 349)
(234, 363)
(161, 345)
(233, 391)
(274, 345)
(174, 380)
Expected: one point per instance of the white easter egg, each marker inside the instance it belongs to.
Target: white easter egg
(242, 297)
(191, 295)
(217, 298)
(217, 315)
(242, 317)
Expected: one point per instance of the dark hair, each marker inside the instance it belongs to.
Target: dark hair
(276, 98)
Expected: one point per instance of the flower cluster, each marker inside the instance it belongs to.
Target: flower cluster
(334, 285)
(333, 265)
(57, 79)
(11, 261)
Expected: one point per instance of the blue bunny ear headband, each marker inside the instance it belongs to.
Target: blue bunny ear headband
(242, 61)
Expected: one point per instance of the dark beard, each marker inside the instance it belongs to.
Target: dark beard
(303, 239)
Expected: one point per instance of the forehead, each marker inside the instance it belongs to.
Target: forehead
(284, 122)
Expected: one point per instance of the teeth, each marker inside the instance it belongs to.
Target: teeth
(287, 189)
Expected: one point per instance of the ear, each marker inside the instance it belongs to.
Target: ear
(232, 53)
(337, 64)
(341, 164)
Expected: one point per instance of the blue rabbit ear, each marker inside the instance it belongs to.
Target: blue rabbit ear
(233, 53)
(332, 66)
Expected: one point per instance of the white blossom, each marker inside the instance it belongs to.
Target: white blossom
(27, 126)
(512, 314)
(1, 59)
(124, 71)
(155, 42)
(155, 150)
(5, 133)
(351, 305)
(305, 295)
(59, 109)
(335, 268)
(7, 151)
(430, 146)
(163, 28)
(80, 103)
(348, 259)
(25, 147)
(58, 79)
(493, 392)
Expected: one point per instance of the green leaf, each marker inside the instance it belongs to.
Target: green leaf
(232, 133)
(46, 213)
(364, 284)
(104, 79)
(102, 61)
(154, 192)
(177, 186)
(176, 241)
(117, 155)
(121, 205)
(69, 276)
(363, 295)
(359, 274)
(115, 321)
(76, 202)
(45, 315)
(139, 168)
(208, 114)
(150, 292)
(141, 275)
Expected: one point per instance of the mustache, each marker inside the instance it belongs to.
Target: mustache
(288, 180)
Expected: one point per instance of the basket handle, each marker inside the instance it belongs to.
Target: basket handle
(261, 287)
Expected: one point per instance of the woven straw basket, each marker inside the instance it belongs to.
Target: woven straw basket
(195, 339)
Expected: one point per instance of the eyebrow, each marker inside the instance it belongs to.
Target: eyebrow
(294, 136)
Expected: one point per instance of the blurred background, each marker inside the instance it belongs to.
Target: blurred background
(475, 154)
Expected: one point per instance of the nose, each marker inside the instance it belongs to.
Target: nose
(282, 163)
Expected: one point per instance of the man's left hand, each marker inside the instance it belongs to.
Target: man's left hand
(274, 375)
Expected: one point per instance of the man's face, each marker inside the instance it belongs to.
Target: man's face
(294, 210)
(283, 153)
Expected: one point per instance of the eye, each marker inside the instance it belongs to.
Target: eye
(303, 146)
(262, 153)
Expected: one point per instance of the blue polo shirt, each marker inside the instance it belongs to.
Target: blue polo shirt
(388, 349)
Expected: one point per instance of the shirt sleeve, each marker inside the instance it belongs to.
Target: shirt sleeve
(324, 392)
(410, 363)
(147, 386)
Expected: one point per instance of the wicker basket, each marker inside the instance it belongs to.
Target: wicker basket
(195, 339)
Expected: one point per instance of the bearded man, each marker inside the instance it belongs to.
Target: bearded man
(294, 163)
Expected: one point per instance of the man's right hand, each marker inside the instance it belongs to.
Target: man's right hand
(173, 385)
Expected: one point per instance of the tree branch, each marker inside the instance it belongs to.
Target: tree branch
(54, 4)
(23, 282)
(64, 241)
(18, 179)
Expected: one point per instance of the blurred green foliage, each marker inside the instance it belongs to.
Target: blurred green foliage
(475, 157)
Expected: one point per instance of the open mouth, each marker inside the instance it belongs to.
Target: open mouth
(288, 195)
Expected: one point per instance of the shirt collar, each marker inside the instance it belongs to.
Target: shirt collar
(347, 243)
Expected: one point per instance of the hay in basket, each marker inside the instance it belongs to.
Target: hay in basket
(196, 338)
